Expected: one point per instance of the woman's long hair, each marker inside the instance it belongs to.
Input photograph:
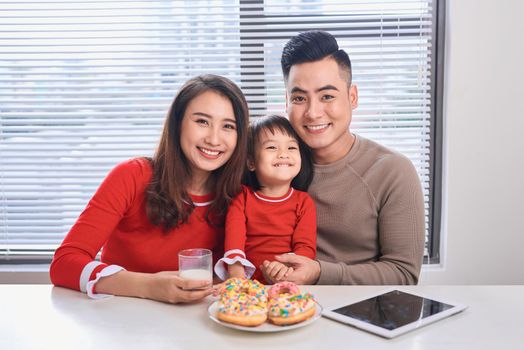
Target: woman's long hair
(273, 123)
(168, 203)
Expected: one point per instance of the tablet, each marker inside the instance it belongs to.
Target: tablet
(393, 312)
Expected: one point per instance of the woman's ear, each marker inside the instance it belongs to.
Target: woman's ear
(250, 165)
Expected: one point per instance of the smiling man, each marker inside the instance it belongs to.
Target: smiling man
(370, 208)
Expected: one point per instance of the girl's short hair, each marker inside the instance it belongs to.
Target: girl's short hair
(167, 195)
(273, 123)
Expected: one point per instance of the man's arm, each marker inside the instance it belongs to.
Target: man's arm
(400, 234)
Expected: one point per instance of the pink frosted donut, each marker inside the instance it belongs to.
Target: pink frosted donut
(283, 288)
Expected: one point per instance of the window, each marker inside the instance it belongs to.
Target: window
(86, 84)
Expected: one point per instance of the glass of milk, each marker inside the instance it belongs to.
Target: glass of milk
(196, 264)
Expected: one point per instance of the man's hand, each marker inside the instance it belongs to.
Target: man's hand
(305, 270)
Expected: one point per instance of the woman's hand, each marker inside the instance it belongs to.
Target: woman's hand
(169, 287)
(166, 286)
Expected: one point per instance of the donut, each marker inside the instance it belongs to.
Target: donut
(283, 288)
(243, 302)
(287, 305)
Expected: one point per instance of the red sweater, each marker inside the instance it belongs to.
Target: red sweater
(263, 227)
(115, 219)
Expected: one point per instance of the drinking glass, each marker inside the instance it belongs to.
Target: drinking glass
(196, 264)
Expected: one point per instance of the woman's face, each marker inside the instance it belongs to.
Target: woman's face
(208, 133)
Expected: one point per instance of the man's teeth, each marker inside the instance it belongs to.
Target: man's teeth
(317, 127)
(209, 152)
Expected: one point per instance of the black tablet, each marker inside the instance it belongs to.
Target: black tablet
(393, 312)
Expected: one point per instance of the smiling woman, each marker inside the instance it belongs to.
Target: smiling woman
(147, 210)
(208, 135)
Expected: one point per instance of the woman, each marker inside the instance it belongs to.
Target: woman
(147, 210)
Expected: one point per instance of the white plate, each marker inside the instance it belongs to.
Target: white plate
(266, 326)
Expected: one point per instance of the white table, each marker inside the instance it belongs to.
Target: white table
(46, 317)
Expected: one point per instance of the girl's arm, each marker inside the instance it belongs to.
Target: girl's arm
(235, 242)
(305, 235)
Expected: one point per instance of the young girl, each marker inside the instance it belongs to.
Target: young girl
(147, 210)
(272, 215)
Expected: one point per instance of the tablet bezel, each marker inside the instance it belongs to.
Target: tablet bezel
(455, 308)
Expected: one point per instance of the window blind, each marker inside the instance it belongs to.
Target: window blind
(86, 84)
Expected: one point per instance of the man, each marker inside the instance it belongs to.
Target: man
(370, 208)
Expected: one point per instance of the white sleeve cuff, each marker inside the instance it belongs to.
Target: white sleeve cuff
(106, 271)
(86, 273)
(221, 267)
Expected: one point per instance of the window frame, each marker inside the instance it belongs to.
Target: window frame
(436, 129)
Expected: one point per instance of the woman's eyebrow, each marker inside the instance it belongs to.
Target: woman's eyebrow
(202, 114)
(205, 115)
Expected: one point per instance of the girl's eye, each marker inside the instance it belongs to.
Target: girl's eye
(293, 148)
(202, 121)
(271, 147)
(230, 126)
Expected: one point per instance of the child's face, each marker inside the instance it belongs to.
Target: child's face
(277, 159)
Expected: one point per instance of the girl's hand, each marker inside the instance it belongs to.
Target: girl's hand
(169, 287)
(236, 270)
(275, 271)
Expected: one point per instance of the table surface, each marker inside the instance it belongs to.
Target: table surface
(46, 317)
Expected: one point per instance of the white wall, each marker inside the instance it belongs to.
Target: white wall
(484, 155)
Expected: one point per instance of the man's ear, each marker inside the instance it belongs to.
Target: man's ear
(353, 96)
(286, 101)
(250, 165)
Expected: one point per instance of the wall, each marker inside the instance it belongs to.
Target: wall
(484, 147)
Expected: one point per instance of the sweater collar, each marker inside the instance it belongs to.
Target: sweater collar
(342, 162)
(202, 201)
(275, 199)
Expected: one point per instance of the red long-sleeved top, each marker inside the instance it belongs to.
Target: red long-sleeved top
(115, 219)
(263, 227)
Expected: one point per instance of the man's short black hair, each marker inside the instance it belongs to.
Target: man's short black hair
(311, 46)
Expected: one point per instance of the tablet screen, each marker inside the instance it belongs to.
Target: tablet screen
(393, 309)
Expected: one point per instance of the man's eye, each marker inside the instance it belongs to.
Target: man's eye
(297, 99)
(328, 97)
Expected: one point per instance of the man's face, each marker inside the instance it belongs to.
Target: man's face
(319, 104)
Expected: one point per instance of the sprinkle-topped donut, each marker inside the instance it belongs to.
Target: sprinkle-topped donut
(287, 305)
(283, 288)
(243, 302)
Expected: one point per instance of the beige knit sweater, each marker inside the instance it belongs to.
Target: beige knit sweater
(370, 217)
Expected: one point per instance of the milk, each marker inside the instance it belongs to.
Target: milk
(197, 274)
